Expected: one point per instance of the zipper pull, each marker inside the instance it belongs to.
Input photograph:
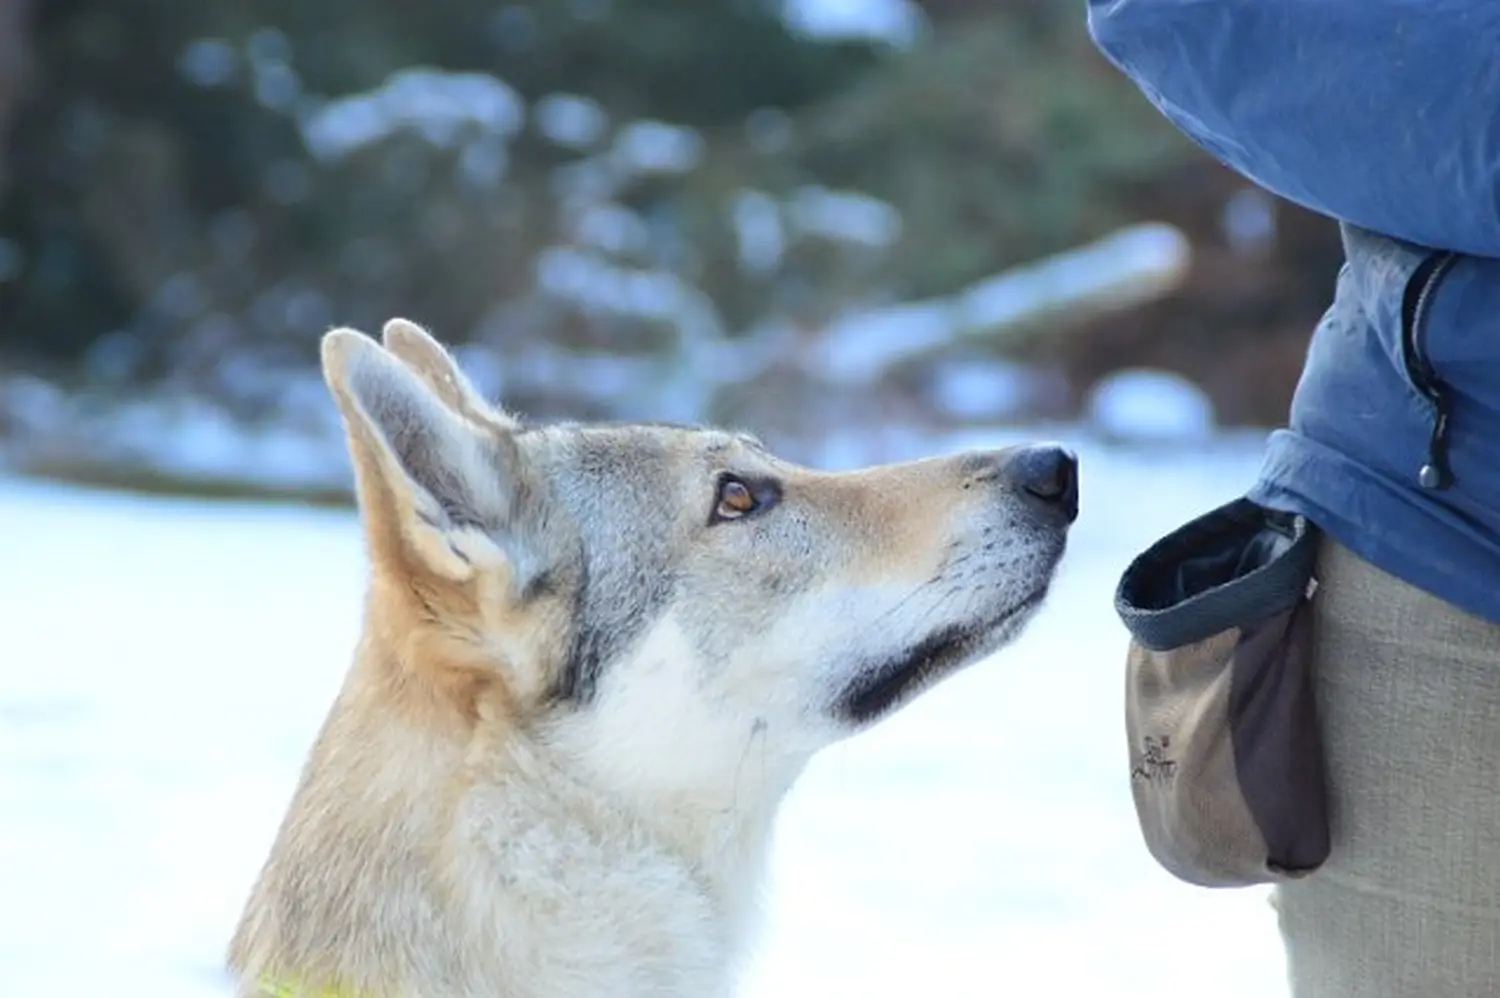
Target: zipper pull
(1436, 474)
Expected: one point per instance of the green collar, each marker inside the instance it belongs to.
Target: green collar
(271, 987)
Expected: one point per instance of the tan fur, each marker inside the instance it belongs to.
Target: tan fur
(461, 827)
(432, 364)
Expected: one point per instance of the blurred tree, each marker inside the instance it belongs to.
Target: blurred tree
(160, 181)
(192, 191)
(1007, 137)
(15, 64)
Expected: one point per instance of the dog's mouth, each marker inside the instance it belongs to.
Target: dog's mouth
(876, 691)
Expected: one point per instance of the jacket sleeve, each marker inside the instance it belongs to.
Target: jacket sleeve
(1382, 113)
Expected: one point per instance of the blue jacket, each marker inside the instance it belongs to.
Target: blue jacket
(1385, 115)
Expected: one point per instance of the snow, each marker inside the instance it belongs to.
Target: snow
(758, 228)
(167, 664)
(1249, 221)
(1131, 265)
(1149, 406)
(570, 120)
(612, 228)
(861, 347)
(195, 439)
(277, 85)
(769, 130)
(896, 22)
(988, 390)
(847, 216)
(439, 105)
(207, 62)
(33, 403)
(299, 444)
(593, 283)
(646, 146)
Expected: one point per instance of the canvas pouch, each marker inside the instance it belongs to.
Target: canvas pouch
(1226, 756)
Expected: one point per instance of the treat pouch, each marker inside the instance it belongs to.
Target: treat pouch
(1225, 753)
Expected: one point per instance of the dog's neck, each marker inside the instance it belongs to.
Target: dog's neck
(389, 809)
(715, 815)
(699, 779)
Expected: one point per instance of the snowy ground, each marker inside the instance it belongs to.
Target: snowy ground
(166, 664)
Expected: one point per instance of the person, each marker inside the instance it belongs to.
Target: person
(1385, 116)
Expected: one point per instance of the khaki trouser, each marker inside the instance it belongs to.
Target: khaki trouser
(1408, 903)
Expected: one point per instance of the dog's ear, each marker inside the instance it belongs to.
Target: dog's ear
(433, 486)
(435, 366)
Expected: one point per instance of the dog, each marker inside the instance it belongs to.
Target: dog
(594, 658)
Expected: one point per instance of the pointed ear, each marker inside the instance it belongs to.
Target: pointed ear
(433, 486)
(437, 368)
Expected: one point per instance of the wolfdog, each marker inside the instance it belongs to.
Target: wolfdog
(594, 658)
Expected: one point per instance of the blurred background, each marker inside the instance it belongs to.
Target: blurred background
(798, 217)
(863, 229)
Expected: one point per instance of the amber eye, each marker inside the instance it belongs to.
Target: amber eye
(735, 499)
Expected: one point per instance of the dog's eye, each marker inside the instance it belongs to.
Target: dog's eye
(734, 500)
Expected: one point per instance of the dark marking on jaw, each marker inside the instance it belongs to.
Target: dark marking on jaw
(885, 684)
(598, 638)
(580, 671)
(880, 687)
(540, 585)
(624, 577)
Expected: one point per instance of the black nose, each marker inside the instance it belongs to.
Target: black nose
(1050, 474)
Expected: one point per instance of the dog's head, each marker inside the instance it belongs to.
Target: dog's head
(681, 594)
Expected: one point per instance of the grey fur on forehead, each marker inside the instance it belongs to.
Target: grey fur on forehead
(609, 482)
(620, 484)
(629, 435)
